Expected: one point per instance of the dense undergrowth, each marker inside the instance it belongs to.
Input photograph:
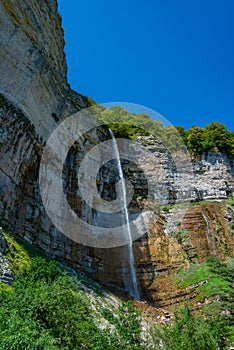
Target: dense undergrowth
(48, 309)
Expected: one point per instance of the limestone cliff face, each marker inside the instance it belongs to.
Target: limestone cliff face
(209, 177)
(34, 95)
(191, 233)
(33, 67)
(6, 275)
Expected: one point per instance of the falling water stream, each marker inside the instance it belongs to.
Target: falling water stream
(209, 237)
(126, 225)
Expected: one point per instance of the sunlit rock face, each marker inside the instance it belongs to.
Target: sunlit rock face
(179, 178)
(214, 176)
(35, 96)
(188, 235)
(33, 67)
(6, 275)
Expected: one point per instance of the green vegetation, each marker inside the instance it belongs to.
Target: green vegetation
(218, 288)
(188, 332)
(166, 208)
(89, 102)
(214, 136)
(181, 236)
(127, 325)
(219, 276)
(185, 205)
(46, 309)
(229, 201)
(127, 130)
(19, 253)
(213, 328)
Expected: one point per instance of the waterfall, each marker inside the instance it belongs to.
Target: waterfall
(209, 237)
(134, 287)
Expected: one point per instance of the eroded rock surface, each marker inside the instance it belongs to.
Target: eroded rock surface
(33, 67)
(6, 275)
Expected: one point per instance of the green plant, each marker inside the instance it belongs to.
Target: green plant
(181, 236)
(197, 140)
(46, 309)
(17, 254)
(48, 299)
(218, 287)
(126, 323)
(188, 331)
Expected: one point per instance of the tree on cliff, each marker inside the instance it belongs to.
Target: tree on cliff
(195, 139)
(216, 135)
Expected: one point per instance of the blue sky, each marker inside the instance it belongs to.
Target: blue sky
(173, 56)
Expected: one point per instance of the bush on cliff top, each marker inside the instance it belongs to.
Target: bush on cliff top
(197, 140)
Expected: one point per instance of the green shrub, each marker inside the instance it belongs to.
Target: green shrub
(219, 288)
(187, 332)
(46, 309)
(197, 140)
(126, 324)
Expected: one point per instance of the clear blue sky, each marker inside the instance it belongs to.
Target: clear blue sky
(174, 56)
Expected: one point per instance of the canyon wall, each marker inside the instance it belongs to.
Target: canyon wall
(181, 178)
(33, 67)
(34, 97)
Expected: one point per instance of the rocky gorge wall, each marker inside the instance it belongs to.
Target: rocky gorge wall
(34, 96)
(207, 177)
(33, 67)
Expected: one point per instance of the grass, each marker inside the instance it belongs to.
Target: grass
(49, 307)
(216, 273)
(230, 200)
(20, 253)
(167, 208)
(185, 205)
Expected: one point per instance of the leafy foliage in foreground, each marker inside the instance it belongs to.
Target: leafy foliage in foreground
(46, 306)
(188, 332)
(46, 309)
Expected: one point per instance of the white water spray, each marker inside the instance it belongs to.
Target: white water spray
(134, 288)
